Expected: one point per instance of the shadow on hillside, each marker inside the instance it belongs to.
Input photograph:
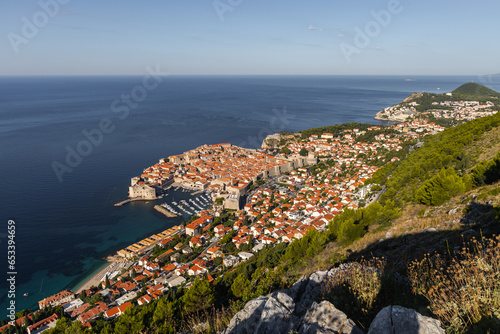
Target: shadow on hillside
(397, 252)
(478, 221)
(482, 215)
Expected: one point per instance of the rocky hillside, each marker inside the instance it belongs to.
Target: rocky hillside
(300, 310)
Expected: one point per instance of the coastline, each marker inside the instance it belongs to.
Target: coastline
(96, 277)
(114, 262)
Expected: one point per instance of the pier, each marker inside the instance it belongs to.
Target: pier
(164, 211)
(132, 200)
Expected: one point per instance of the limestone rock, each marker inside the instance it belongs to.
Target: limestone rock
(397, 319)
(247, 320)
(297, 289)
(311, 293)
(324, 318)
(284, 298)
(265, 315)
(276, 319)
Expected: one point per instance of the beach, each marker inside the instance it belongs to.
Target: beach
(114, 265)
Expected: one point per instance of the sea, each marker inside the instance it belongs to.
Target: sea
(70, 144)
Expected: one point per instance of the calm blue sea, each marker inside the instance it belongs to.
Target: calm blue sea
(65, 228)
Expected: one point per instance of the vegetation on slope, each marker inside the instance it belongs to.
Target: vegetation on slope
(442, 151)
(473, 90)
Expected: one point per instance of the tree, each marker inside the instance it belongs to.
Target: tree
(440, 188)
(130, 322)
(164, 311)
(285, 150)
(303, 152)
(239, 285)
(199, 297)
(227, 237)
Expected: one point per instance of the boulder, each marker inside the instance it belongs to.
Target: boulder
(311, 292)
(297, 289)
(265, 315)
(276, 319)
(284, 298)
(324, 318)
(247, 320)
(397, 319)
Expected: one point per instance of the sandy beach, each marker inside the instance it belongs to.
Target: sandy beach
(116, 264)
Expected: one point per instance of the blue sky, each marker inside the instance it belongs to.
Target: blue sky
(332, 37)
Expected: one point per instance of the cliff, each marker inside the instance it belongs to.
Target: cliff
(271, 142)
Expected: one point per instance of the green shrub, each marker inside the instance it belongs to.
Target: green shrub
(440, 188)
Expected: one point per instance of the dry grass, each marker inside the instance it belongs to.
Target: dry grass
(355, 289)
(211, 320)
(407, 224)
(463, 289)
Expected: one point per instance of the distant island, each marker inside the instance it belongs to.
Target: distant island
(467, 102)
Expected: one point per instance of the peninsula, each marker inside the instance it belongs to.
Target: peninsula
(467, 102)
(223, 170)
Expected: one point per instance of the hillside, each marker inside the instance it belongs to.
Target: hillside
(424, 258)
(475, 90)
(398, 244)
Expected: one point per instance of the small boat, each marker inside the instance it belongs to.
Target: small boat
(26, 294)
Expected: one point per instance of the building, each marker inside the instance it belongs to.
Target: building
(175, 280)
(57, 299)
(142, 191)
(116, 311)
(43, 325)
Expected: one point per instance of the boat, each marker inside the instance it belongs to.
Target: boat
(26, 294)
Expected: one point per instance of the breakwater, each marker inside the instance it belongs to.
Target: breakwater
(164, 211)
(131, 200)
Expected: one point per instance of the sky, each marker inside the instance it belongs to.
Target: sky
(249, 37)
